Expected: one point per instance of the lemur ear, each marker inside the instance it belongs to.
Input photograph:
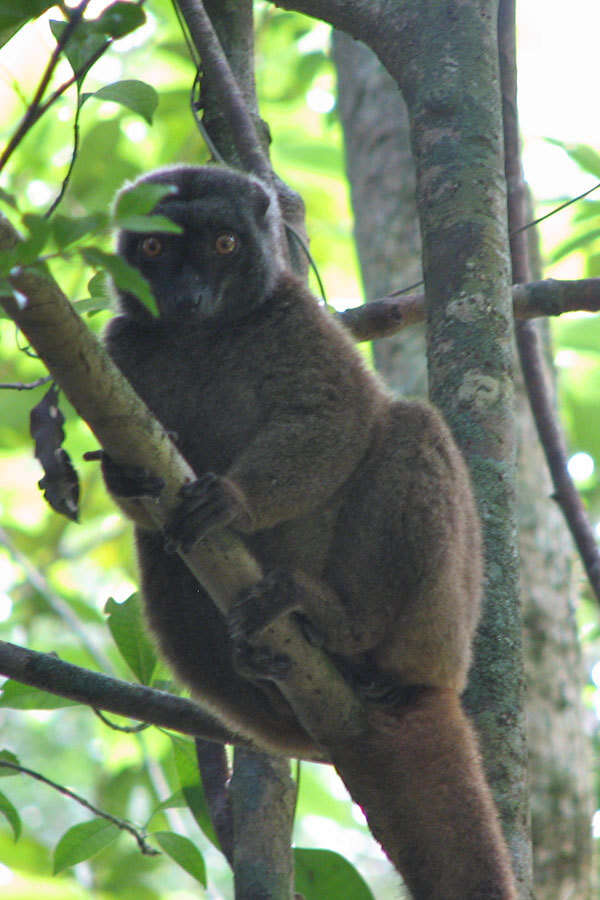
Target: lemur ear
(260, 199)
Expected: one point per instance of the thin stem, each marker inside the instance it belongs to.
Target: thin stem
(145, 848)
(25, 386)
(35, 110)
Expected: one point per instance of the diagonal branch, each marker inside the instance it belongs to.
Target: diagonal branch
(229, 95)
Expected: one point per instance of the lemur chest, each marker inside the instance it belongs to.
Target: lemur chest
(211, 410)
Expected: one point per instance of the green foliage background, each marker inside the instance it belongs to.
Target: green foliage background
(57, 578)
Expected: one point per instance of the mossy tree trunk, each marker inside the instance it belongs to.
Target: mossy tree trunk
(381, 171)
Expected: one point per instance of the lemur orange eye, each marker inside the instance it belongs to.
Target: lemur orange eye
(226, 243)
(151, 247)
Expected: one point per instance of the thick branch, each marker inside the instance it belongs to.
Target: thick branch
(363, 19)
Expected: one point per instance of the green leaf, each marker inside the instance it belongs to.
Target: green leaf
(97, 285)
(323, 873)
(7, 756)
(184, 853)
(186, 763)
(174, 801)
(7, 262)
(124, 276)
(82, 842)
(578, 242)
(137, 96)
(10, 813)
(581, 334)
(91, 305)
(68, 229)
(7, 198)
(140, 199)
(151, 223)
(586, 157)
(134, 205)
(27, 251)
(127, 628)
(99, 298)
(120, 19)
(82, 45)
(14, 15)
(22, 696)
(592, 265)
(587, 209)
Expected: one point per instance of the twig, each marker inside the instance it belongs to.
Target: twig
(74, 151)
(125, 729)
(25, 386)
(145, 848)
(532, 362)
(36, 109)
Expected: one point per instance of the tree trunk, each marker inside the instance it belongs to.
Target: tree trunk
(381, 172)
(264, 801)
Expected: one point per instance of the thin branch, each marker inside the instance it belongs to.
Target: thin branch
(532, 361)
(74, 151)
(135, 701)
(388, 315)
(227, 89)
(137, 833)
(36, 108)
(25, 386)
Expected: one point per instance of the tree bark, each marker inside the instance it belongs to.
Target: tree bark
(456, 134)
(381, 172)
(264, 801)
